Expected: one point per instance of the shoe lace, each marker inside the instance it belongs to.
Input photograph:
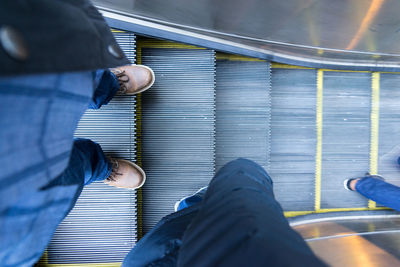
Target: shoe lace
(114, 171)
(123, 79)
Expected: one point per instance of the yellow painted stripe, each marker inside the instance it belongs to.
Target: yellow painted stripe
(111, 264)
(151, 43)
(117, 31)
(286, 66)
(296, 213)
(349, 209)
(373, 155)
(44, 259)
(318, 156)
(305, 212)
(361, 71)
(223, 56)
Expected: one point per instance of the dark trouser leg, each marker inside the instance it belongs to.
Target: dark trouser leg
(379, 191)
(106, 86)
(86, 165)
(241, 224)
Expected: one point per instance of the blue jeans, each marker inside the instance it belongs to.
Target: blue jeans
(379, 191)
(238, 223)
(43, 170)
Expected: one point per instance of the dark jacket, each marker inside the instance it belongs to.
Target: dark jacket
(44, 36)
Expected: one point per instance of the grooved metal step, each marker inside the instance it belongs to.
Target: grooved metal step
(243, 112)
(345, 136)
(293, 137)
(178, 125)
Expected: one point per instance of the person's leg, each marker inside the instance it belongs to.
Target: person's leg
(130, 80)
(94, 164)
(39, 114)
(379, 191)
(106, 86)
(240, 223)
(97, 166)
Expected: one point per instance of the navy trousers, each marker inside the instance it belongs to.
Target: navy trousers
(238, 223)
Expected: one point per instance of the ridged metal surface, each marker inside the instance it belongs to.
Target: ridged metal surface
(178, 128)
(389, 128)
(243, 112)
(345, 136)
(102, 227)
(293, 137)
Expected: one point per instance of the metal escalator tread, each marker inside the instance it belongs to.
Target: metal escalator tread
(243, 113)
(102, 227)
(345, 136)
(389, 128)
(177, 126)
(293, 137)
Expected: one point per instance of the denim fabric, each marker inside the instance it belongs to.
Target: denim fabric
(379, 191)
(107, 85)
(238, 223)
(39, 114)
(93, 161)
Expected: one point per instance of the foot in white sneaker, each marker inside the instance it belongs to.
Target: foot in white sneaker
(190, 200)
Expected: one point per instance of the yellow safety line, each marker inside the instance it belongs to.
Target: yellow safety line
(349, 209)
(117, 31)
(358, 71)
(373, 155)
(318, 156)
(150, 43)
(275, 65)
(223, 56)
(139, 146)
(44, 260)
(305, 212)
(296, 213)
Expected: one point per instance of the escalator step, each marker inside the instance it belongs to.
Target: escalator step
(242, 115)
(345, 136)
(102, 227)
(389, 128)
(293, 137)
(178, 125)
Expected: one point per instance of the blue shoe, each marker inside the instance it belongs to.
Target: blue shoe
(190, 200)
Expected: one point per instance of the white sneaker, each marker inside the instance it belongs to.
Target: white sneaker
(176, 206)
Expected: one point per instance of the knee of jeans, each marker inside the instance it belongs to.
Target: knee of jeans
(250, 167)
